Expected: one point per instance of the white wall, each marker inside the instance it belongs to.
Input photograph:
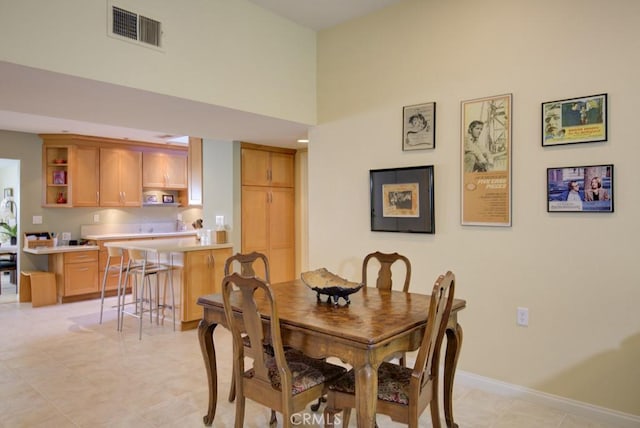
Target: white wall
(226, 53)
(575, 272)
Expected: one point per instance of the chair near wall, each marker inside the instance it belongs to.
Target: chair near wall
(384, 280)
(404, 393)
(270, 381)
(9, 263)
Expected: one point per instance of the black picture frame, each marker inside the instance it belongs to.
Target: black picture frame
(567, 192)
(167, 199)
(419, 127)
(575, 120)
(402, 199)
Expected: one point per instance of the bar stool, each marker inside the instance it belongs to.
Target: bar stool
(113, 253)
(140, 268)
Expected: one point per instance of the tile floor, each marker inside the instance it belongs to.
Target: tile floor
(60, 368)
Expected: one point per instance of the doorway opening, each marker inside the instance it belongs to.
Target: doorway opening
(9, 229)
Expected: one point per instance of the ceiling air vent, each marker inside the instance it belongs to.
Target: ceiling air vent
(133, 26)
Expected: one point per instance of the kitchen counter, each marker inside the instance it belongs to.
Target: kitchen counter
(174, 245)
(129, 235)
(60, 249)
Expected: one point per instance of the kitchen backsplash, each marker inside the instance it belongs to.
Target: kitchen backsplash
(148, 227)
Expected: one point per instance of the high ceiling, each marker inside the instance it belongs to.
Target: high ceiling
(151, 117)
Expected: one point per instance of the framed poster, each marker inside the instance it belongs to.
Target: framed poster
(486, 161)
(580, 189)
(419, 127)
(574, 120)
(402, 199)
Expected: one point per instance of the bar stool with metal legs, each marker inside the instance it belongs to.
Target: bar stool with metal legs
(120, 269)
(140, 267)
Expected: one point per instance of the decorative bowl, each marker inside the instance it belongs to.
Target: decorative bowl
(324, 282)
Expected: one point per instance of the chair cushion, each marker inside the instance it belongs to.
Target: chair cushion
(306, 372)
(393, 383)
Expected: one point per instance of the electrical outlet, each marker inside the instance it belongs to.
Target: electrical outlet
(96, 218)
(179, 217)
(37, 219)
(523, 317)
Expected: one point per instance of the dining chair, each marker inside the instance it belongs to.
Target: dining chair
(247, 264)
(386, 260)
(9, 264)
(384, 280)
(283, 380)
(139, 267)
(404, 393)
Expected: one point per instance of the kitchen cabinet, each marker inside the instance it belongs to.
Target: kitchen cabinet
(76, 273)
(164, 170)
(268, 207)
(120, 177)
(202, 274)
(86, 176)
(56, 175)
(266, 167)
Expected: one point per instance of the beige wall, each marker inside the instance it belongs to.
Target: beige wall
(575, 272)
(210, 51)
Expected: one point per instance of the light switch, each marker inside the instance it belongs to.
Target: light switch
(37, 219)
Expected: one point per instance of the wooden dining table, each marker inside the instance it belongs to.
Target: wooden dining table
(374, 325)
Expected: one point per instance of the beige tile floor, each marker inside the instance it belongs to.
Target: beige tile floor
(60, 368)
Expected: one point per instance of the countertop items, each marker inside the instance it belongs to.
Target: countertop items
(129, 235)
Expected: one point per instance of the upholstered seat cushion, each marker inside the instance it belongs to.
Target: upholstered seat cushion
(393, 383)
(306, 372)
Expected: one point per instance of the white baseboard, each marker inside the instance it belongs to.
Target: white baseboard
(602, 415)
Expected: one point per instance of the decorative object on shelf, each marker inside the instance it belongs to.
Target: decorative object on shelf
(580, 189)
(402, 199)
(61, 198)
(167, 199)
(151, 199)
(486, 161)
(59, 177)
(59, 161)
(419, 127)
(574, 120)
(324, 282)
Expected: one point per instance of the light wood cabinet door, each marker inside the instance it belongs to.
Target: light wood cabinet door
(120, 178)
(194, 172)
(266, 168)
(164, 170)
(203, 273)
(76, 273)
(86, 178)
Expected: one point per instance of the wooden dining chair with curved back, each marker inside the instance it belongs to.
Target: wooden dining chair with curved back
(404, 393)
(384, 280)
(283, 380)
(386, 260)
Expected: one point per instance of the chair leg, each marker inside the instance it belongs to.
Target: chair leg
(316, 407)
(104, 282)
(274, 419)
(232, 390)
(435, 412)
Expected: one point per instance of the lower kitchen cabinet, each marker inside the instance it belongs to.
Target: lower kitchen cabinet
(202, 274)
(76, 274)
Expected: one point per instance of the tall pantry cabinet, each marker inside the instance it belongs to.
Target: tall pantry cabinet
(268, 207)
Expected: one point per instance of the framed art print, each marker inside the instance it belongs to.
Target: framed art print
(580, 189)
(419, 127)
(574, 120)
(402, 199)
(486, 161)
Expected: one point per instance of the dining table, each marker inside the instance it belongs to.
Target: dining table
(374, 325)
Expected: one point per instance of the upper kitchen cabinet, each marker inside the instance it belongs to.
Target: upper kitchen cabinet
(164, 169)
(70, 173)
(120, 177)
(267, 167)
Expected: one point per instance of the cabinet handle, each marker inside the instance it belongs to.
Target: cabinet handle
(83, 270)
(97, 196)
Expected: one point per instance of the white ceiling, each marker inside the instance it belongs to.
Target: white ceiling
(39, 102)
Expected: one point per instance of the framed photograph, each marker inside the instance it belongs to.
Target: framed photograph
(574, 120)
(151, 199)
(419, 127)
(580, 189)
(402, 199)
(485, 142)
(59, 177)
(167, 199)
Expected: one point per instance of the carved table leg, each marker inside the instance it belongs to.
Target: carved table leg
(366, 376)
(454, 342)
(205, 336)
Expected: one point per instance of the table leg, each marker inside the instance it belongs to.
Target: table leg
(205, 336)
(366, 395)
(454, 342)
